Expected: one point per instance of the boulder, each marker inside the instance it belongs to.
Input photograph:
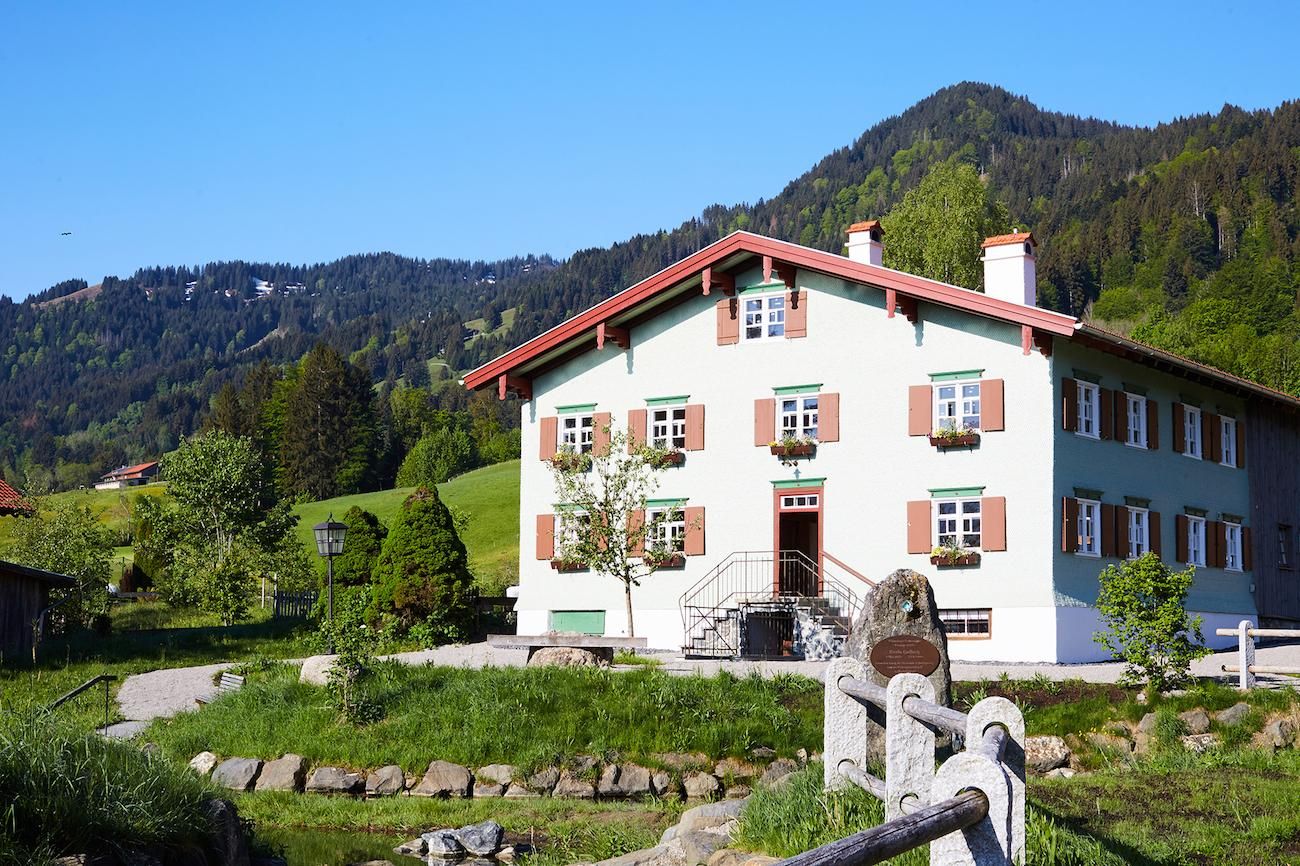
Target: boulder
(414, 848)
(738, 792)
(883, 616)
(658, 856)
(203, 763)
(507, 853)
(443, 844)
(501, 774)
(1044, 753)
(1148, 725)
(1278, 733)
(1233, 715)
(1196, 721)
(237, 774)
(624, 780)
(572, 787)
(517, 791)
(734, 768)
(482, 839)
(227, 838)
(386, 782)
(661, 784)
(544, 781)
(444, 779)
(285, 773)
(1199, 743)
(698, 846)
(566, 656)
(582, 763)
(488, 789)
(778, 769)
(315, 670)
(701, 786)
(335, 780)
(762, 753)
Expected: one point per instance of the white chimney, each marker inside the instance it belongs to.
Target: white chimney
(1010, 273)
(866, 242)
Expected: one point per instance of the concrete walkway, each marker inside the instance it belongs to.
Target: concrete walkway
(164, 693)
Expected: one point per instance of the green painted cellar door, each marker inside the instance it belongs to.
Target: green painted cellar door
(581, 621)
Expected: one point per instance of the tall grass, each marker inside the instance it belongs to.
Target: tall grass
(63, 792)
(522, 716)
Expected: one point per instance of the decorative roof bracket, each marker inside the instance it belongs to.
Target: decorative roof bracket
(523, 388)
(619, 336)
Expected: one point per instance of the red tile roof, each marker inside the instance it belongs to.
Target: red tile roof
(866, 226)
(1003, 240)
(12, 502)
(131, 471)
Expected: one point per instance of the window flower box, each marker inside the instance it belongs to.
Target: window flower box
(945, 438)
(661, 459)
(949, 557)
(571, 461)
(568, 565)
(672, 560)
(794, 449)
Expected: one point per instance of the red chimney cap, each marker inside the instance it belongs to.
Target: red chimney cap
(1003, 240)
(868, 226)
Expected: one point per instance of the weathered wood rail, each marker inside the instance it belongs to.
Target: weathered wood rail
(1245, 668)
(971, 811)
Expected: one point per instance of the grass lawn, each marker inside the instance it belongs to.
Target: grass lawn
(566, 831)
(490, 496)
(522, 716)
(110, 507)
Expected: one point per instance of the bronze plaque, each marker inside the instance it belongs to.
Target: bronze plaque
(905, 654)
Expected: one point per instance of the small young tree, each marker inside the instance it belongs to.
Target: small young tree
(65, 538)
(1142, 604)
(602, 524)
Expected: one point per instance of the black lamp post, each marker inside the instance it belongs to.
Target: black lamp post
(329, 544)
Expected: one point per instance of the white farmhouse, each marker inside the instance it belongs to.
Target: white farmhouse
(1006, 451)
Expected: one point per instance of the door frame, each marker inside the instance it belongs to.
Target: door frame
(820, 511)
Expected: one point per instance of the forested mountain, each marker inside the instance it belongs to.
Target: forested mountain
(1186, 234)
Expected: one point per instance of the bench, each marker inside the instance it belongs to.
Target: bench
(228, 683)
(602, 647)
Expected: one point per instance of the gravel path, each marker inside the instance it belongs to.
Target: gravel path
(165, 693)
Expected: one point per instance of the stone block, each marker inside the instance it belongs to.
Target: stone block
(501, 774)
(544, 781)
(701, 786)
(237, 774)
(286, 773)
(566, 656)
(1233, 715)
(1196, 721)
(734, 768)
(444, 779)
(443, 845)
(574, 788)
(778, 769)
(335, 780)
(203, 763)
(483, 839)
(386, 782)
(1044, 753)
(315, 670)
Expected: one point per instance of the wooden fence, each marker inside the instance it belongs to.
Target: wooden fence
(1245, 668)
(971, 811)
(294, 605)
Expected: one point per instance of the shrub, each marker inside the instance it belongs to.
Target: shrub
(422, 574)
(1141, 603)
(67, 539)
(365, 540)
(436, 457)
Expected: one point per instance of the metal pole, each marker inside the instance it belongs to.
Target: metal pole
(105, 705)
(329, 569)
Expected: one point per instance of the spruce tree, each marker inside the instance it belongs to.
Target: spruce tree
(365, 540)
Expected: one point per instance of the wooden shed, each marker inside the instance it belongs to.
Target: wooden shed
(24, 593)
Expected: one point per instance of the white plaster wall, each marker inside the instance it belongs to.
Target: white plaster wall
(875, 468)
(1075, 627)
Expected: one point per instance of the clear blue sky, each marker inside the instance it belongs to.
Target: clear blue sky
(172, 134)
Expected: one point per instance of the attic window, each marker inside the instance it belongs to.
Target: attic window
(764, 316)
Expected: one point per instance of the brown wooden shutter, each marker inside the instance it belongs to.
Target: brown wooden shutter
(828, 417)
(1120, 416)
(1106, 423)
(1153, 534)
(920, 410)
(1247, 560)
(1241, 445)
(1216, 544)
(918, 526)
(1181, 527)
(764, 421)
(600, 423)
(1153, 425)
(1180, 431)
(1069, 405)
(993, 523)
(695, 427)
(728, 322)
(1121, 531)
(1069, 524)
(636, 429)
(992, 405)
(796, 314)
(1212, 440)
(548, 441)
(546, 536)
(1107, 530)
(635, 521)
(694, 542)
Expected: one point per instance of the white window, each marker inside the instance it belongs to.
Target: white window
(764, 316)
(667, 531)
(1137, 420)
(576, 432)
(800, 501)
(1139, 541)
(799, 416)
(1232, 550)
(1196, 541)
(1229, 448)
(573, 529)
(1192, 431)
(966, 622)
(668, 428)
(957, 523)
(957, 406)
(1089, 410)
(1089, 528)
